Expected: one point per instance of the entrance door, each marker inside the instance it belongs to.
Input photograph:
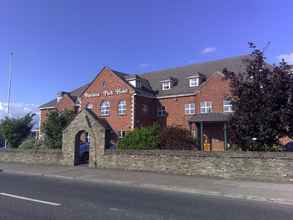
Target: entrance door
(206, 143)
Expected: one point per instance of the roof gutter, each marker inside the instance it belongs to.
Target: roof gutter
(175, 96)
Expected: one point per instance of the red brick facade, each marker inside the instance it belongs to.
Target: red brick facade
(142, 110)
(107, 81)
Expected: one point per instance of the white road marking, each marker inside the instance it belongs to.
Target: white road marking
(116, 209)
(30, 199)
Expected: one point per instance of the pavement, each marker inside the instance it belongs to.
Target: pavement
(24, 197)
(279, 193)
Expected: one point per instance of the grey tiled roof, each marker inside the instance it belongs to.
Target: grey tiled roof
(210, 117)
(74, 94)
(152, 85)
(235, 64)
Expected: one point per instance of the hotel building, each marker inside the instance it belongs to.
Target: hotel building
(192, 97)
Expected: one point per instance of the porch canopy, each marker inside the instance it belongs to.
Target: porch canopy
(211, 117)
(214, 126)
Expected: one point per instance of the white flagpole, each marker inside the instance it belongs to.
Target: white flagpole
(9, 86)
(9, 89)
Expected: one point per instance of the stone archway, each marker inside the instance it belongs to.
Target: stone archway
(88, 122)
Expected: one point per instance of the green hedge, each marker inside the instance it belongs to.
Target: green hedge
(149, 138)
(146, 138)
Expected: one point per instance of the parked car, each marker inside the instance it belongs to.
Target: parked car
(289, 146)
(84, 152)
(2, 142)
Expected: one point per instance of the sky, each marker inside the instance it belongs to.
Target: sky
(59, 45)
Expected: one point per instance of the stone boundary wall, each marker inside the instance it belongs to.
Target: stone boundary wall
(232, 165)
(264, 166)
(47, 157)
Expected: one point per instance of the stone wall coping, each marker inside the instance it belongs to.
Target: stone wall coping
(29, 151)
(192, 153)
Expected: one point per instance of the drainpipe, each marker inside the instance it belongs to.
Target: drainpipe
(225, 136)
(201, 135)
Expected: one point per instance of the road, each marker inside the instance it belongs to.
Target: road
(32, 197)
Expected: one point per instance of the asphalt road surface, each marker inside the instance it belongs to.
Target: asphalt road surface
(33, 198)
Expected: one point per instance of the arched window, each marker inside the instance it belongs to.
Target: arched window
(122, 107)
(105, 108)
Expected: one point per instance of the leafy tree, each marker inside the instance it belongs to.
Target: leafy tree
(262, 103)
(15, 130)
(53, 127)
(145, 138)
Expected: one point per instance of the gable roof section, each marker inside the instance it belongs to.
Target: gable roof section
(120, 75)
(74, 94)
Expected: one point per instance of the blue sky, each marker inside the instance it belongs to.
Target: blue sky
(62, 44)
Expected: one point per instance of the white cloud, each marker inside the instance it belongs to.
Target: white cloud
(19, 109)
(287, 57)
(144, 65)
(208, 50)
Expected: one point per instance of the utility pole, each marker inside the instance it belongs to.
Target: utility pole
(9, 88)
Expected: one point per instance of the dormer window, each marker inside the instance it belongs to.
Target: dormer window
(60, 96)
(166, 84)
(135, 83)
(194, 82)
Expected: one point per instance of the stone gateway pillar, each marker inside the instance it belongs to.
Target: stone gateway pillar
(88, 122)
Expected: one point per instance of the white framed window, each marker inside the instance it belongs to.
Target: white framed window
(122, 107)
(161, 111)
(189, 108)
(227, 106)
(105, 108)
(206, 107)
(89, 106)
(166, 85)
(194, 82)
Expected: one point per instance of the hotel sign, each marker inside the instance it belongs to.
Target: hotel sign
(117, 91)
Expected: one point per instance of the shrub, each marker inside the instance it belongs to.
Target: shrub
(15, 130)
(141, 139)
(54, 126)
(175, 138)
(29, 143)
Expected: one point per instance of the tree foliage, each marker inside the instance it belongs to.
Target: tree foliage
(262, 102)
(53, 127)
(15, 130)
